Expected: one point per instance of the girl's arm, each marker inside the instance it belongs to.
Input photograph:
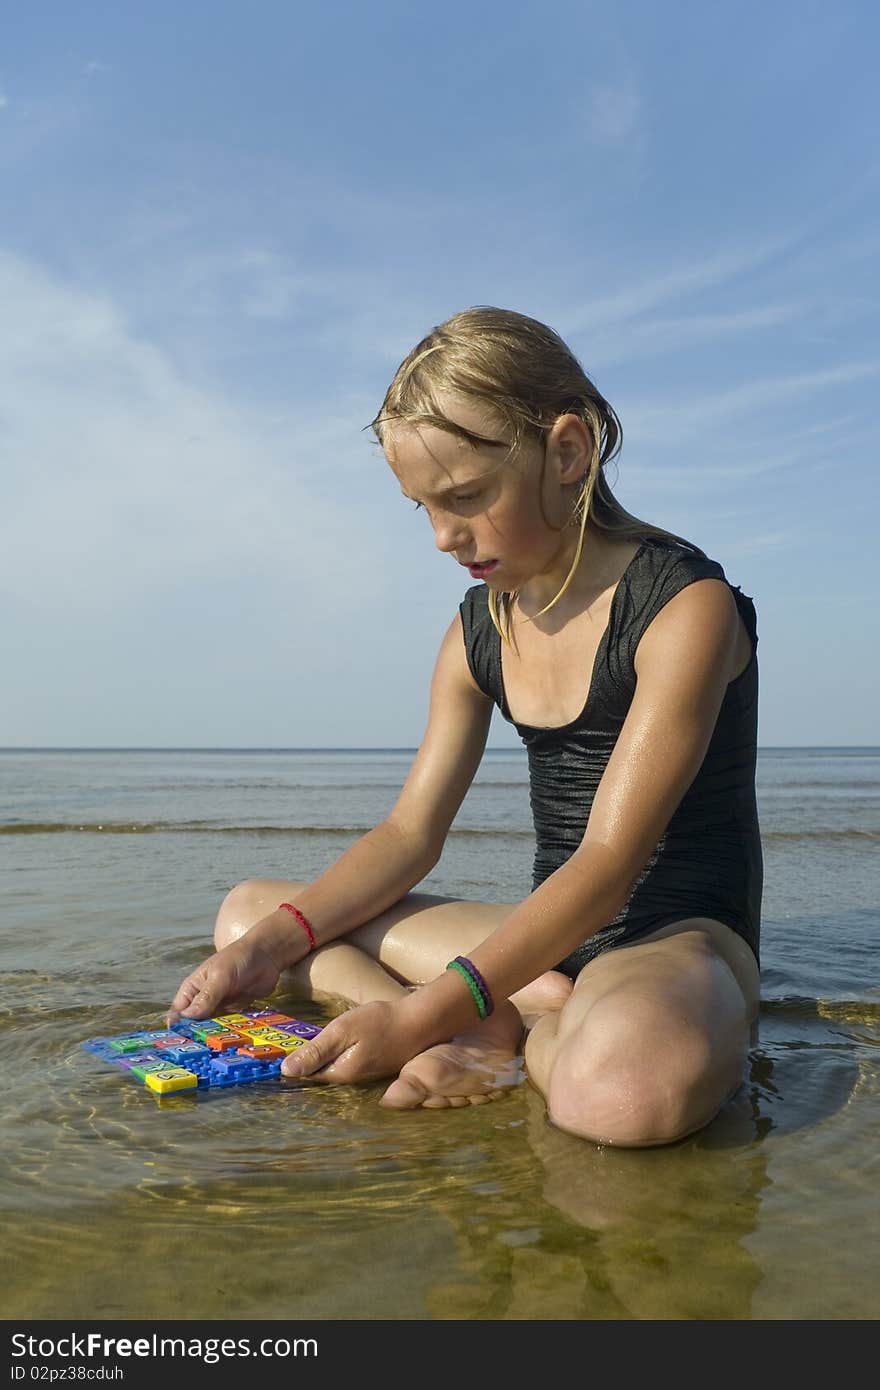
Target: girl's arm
(387, 862)
(379, 868)
(684, 663)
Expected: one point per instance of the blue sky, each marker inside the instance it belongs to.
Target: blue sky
(222, 228)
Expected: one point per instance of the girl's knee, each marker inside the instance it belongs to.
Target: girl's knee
(245, 905)
(634, 1090)
(617, 1108)
(234, 916)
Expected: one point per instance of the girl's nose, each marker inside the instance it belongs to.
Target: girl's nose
(449, 534)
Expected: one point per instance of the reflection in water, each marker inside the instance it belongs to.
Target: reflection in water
(663, 1232)
(613, 1233)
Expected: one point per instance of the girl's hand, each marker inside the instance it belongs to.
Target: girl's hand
(232, 978)
(365, 1044)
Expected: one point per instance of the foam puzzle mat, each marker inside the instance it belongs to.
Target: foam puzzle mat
(199, 1053)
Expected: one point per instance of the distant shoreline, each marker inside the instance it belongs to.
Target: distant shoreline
(512, 748)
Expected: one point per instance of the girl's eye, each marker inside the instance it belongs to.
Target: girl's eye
(460, 497)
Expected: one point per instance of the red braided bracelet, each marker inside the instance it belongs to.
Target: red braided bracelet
(302, 921)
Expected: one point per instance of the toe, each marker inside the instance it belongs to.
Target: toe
(405, 1093)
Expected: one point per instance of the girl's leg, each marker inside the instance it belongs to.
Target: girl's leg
(338, 974)
(646, 1049)
(653, 1040)
(410, 943)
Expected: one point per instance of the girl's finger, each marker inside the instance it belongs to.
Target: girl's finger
(312, 1056)
(207, 1000)
(184, 997)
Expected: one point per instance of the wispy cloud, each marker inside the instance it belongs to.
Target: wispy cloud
(679, 420)
(670, 285)
(649, 336)
(121, 476)
(614, 112)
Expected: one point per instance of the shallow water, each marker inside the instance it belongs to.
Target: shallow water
(283, 1201)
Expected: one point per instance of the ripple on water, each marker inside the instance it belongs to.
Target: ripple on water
(99, 1174)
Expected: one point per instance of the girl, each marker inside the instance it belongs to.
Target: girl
(627, 664)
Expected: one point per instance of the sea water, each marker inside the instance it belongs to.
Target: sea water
(115, 1205)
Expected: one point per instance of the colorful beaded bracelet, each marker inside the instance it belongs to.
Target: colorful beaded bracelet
(475, 983)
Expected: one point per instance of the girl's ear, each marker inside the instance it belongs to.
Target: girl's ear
(570, 445)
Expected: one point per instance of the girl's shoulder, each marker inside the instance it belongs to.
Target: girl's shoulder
(481, 642)
(667, 564)
(475, 602)
(666, 567)
(476, 620)
(667, 550)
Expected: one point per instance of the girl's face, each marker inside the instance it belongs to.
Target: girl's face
(501, 516)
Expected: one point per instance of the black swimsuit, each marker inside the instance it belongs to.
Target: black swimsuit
(708, 863)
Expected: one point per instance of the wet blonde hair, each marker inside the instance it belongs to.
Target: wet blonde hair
(528, 377)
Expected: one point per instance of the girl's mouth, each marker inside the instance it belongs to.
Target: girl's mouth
(479, 571)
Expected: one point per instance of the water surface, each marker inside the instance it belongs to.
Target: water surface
(280, 1201)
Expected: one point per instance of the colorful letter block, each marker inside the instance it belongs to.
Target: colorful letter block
(199, 1054)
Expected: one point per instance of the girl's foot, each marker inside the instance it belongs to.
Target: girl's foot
(473, 1068)
(545, 995)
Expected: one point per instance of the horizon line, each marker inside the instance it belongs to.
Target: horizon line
(344, 748)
